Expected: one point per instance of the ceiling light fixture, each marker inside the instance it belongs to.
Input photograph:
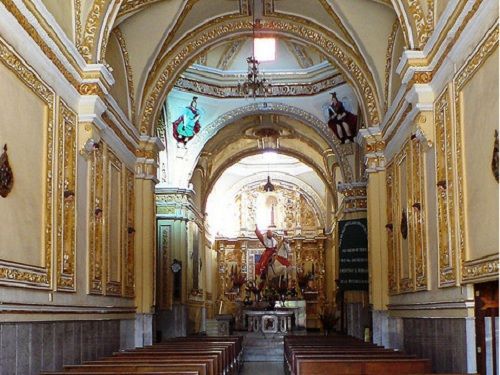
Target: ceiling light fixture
(256, 83)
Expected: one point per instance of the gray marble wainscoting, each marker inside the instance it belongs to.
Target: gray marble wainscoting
(448, 342)
(31, 347)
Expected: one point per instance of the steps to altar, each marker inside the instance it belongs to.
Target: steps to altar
(260, 347)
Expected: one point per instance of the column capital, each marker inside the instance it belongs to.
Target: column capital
(147, 157)
(374, 145)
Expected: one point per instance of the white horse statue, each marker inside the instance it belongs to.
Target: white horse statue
(280, 265)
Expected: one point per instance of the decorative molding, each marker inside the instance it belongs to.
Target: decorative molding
(355, 197)
(103, 159)
(470, 269)
(96, 212)
(424, 23)
(35, 308)
(410, 208)
(128, 69)
(480, 270)
(77, 6)
(92, 27)
(446, 200)
(114, 287)
(388, 62)
(65, 241)
(16, 274)
(276, 90)
(165, 276)
(129, 234)
(231, 51)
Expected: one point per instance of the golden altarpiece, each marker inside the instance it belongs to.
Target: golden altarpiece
(291, 214)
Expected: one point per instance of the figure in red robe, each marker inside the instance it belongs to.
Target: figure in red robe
(271, 246)
(343, 123)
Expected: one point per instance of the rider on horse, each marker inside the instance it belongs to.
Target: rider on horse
(271, 246)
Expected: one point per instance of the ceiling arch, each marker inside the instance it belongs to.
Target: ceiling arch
(166, 70)
(307, 119)
(213, 177)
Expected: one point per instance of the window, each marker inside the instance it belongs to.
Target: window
(265, 49)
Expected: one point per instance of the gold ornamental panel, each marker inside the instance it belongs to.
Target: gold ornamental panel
(111, 225)
(65, 242)
(96, 219)
(405, 228)
(445, 191)
(25, 275)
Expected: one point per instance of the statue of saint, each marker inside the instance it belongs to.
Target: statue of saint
(267, 256)
(188, 124)
(342, 122)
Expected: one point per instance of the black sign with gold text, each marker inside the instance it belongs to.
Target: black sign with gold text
(353, 254)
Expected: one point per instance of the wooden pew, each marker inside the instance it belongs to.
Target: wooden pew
(183, 356)
(315, 355)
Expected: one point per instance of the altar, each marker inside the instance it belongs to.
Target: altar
(273, 321)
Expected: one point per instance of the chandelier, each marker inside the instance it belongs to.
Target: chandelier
(256, 83)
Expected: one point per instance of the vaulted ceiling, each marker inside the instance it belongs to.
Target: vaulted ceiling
(154, 41)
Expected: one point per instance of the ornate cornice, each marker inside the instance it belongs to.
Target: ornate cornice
(277, 90)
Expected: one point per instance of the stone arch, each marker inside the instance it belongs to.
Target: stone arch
(288, 180)
(168, 67)
(249, 152)
(309, 120)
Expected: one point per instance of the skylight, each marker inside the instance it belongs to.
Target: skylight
(265, 49)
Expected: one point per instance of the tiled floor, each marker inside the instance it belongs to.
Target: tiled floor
(263, 368)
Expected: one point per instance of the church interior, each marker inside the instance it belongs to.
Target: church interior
(249, 186)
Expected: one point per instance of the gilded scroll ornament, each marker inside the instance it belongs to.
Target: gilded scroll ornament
(388, 61)
(6, 174)
(92, 27)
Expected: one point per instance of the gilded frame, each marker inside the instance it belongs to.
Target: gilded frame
(65, 241)
(485, 268)
(20, 274)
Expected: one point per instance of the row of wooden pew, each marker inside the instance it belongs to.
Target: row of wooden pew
(180, 356)
(342, 355)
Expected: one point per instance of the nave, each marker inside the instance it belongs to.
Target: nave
(303, 355)
(179, 171)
